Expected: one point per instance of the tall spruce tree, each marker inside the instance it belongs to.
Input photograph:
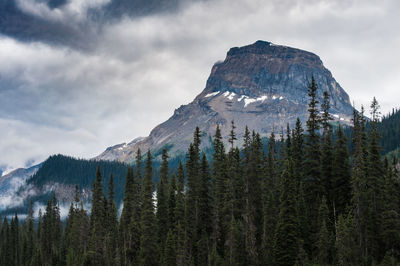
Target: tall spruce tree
(327, 152)
(180, 217)
(97, 221)
(375, 184)
(148, 242)
(359, 185)
(286, 237)
(219, 185)
(162, 203)
(112, 225)
(341, 175)
(312, 164)
(391, 215)
(192, 192)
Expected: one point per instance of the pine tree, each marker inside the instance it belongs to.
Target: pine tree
(97, 221)
(219, 187)
(359, 184)
(346, 241)
(312, 164)
(129, 225)
(169, 257)
(148, 242)
(204, 204)
(30, 236)
(51, 233)
(180, 218)
(172, 191)
(391, 216)
(304, 225)
(112, 225)
(271, 193)
(192, 192)
(76, 232)
(341, 182)
(298, 151)
(324, 244)
(375, 183)
(232, 135)
(327, 153)
(15, 248)
(162, 203)
(286, 243)
(253, 225)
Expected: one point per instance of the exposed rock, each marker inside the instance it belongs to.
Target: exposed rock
(263, 86)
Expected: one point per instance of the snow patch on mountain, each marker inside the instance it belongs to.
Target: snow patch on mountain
(211, 94)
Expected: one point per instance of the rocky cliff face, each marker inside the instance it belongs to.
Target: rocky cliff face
(262, 85)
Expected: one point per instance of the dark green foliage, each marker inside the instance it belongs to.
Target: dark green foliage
(68, 170)
(76, 232)
(96, 251)
(300, 201)
(169, 257)
(219, 187)
(346, 241)
(192, 198)
(312, 180)
(324, 243)
(149, 252)
(341, 182)
(286, 237)
(129, 227)
(162, 203)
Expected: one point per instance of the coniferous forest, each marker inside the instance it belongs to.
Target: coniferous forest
(308, 200)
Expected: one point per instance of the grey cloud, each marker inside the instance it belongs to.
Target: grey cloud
(55, 99)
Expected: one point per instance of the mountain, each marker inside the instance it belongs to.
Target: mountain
(262, 85)
(12, 182)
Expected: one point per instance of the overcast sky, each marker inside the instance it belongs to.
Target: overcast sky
(99, 82)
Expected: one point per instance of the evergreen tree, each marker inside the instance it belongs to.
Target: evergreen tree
(391, 216)
(76, 232)
(286, 243)
(129, 225)
(359, 184)
(219, 185)
(51, 233)
(341, 182)
(169, 257)
(327, 153)
(97, 220)
(253, 215)
(148, 242)
(180, 218)
(324, 243)
(312, 164)
(192, 192)
(172, 191)
(112, 225)
(298, 151)
(162, 203)
(30, 236)
(271, 191)
(204, 204)
(346, 241)
(375, 183)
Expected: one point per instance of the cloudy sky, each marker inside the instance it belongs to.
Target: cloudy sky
(77, 76)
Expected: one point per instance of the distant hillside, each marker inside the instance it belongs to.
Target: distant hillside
(390, 131)
(59, 174)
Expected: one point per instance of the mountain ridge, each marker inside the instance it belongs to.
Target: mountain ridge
(261, 85)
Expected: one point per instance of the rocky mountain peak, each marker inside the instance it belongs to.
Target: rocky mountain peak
(262, 85)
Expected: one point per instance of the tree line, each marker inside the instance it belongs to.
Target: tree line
(307, 201)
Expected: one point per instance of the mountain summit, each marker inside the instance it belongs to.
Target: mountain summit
(262, 85)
